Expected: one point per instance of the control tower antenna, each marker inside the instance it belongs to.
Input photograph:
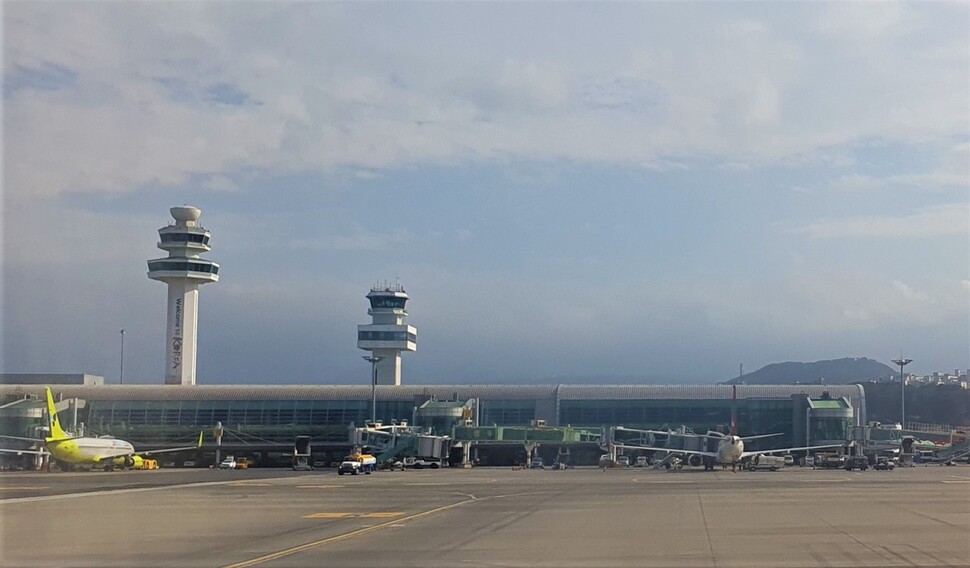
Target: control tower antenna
(184, 271)
(387, 335)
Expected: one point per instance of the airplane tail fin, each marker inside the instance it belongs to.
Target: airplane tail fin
(734, 410)
(56, 432)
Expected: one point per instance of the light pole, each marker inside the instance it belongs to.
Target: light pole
(121, 374)
(373, 385)
(902, 390)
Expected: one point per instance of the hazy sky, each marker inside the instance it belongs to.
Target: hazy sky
(648, 191)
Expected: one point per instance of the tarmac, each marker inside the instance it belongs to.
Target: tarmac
(487, 517)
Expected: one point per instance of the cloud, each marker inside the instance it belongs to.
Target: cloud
(943, 220)
(155, 94)
(359, 241)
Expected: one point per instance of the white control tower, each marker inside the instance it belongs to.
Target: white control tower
(184, 271)
(388, 335)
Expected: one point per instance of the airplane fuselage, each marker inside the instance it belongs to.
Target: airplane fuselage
(88, 451)
(730, 449)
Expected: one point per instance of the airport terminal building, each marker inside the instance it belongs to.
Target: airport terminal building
(148, 414)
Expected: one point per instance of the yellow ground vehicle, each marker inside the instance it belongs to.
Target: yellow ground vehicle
(148, 464)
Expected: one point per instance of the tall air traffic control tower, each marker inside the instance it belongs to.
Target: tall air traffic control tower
(387, 335)
(184, 271)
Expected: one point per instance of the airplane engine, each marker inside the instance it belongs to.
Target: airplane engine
(695, 460)
(128, 462)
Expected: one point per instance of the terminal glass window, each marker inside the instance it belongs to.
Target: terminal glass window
(700, 415)
(828, 429)
(508, 412)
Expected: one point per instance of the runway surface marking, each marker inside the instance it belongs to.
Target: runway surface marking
(25, 488)
(320, 486)
(955, 481)
(379, 515)
(290, 551)
(123, 491)
(397, 522)
(443, 483)
(248, 484)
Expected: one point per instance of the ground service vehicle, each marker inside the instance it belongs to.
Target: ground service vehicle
(641, 461)
(228, 463)
(773, 463)
(433, 463)
(537, 463)
(623, 461)
(148, 464)
(856, 462)
(829, 461)
(358, 463)
(883, 463)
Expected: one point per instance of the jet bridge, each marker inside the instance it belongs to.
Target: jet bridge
(671, 440)
(398, 440)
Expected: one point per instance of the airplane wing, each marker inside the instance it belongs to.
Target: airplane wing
(151, 452)
(786, 450)
(671, 450)
(746, 438)
(21, 438)
(35, 452)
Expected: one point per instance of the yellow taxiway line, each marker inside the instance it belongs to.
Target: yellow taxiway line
(351, 534)
(380, 515)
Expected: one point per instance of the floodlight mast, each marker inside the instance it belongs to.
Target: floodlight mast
(902, 390)
(373, 385)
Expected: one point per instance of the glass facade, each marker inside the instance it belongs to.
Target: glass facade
(386, 336)
(184, 238)
(826, 429)
(507, 412)
(271, 419)
(387, 302)
(754, 416)
(182, 266)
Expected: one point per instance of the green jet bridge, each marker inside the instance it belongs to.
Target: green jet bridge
(529, 436)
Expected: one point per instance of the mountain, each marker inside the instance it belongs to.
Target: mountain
(833, 372)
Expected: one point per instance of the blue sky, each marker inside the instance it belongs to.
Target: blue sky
(649, 192)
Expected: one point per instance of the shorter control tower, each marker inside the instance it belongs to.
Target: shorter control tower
(184, 271)
(388, 335)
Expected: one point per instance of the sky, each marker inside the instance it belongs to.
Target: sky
(649, 192)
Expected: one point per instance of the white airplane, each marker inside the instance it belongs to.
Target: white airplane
(84, 450)
(730, 448)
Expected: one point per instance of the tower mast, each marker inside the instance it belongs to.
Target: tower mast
(184, 271)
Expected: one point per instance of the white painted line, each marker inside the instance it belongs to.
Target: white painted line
(124, 491)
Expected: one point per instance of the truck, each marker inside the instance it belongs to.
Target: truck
(856, 462)
(829, 461)
(884, 463)
(420, 463)
(301, 454)
(773, 463)
(357, 463)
